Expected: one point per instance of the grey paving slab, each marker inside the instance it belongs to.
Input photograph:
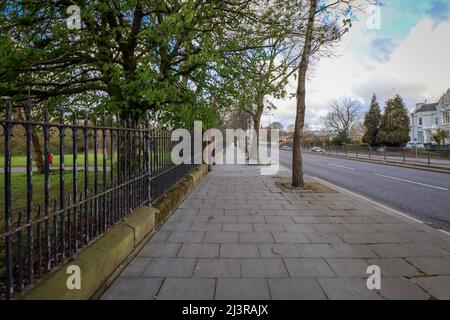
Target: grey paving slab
(425, 249)
(401, 289)
(237, 227)
(278, 219)
(329, 227)
(202, 226)
(221, 237)
(170, 267)
(390, 250)
(186, 236)
(287, 250)
(158, 250)
(308, 267)
(344, 267)
(395, 267)
(290, 237)
(199, 250)
(261, 227)
(359, 227)
(320, 237)
(317, 250)
(242, 289)
(136, 267)
(239, 250)
(437, 287)
(160, 236)
(256, 237)
(357, 238)
(176, 226)
(444, 244)
(222, 219)
(263, 268)
(431, 265)
(211, 212)
(217, 268)
(251, 219)
(292, 227)
(133, 289)
(390, 237)
(295, 289)
(354, 250)
(351, 288)
(187, 289)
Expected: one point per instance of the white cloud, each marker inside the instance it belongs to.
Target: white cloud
(418, 68)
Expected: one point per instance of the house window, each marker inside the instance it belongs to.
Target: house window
(437, 121)
(420, 121)
(420, 137)
(446, 117)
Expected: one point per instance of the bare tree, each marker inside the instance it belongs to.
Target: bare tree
(343, 116)
(322, 26)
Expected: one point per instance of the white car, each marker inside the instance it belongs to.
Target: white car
(287, 148)
(317, 149)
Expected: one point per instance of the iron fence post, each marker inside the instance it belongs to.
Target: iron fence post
(147, 157)
(75, 180)
(46, 127)
(29, 133)
(62, 200)
(8, 255)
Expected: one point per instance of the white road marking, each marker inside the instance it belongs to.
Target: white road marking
(369, 200)
(414, 182)
(339, 166)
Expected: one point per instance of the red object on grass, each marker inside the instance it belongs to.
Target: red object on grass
(50, 157)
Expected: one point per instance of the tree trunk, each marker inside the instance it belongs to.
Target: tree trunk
(297, 162)
(37, 153)
(256, 124)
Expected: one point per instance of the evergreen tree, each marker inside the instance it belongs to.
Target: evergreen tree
(394, 127)
(372, 123)
(341, 138)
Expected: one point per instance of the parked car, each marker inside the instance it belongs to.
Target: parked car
(286, 148)
(317, 149)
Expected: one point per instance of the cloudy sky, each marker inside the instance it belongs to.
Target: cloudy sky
(408, 55)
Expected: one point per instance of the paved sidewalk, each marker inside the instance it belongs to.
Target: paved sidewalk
(238, 236)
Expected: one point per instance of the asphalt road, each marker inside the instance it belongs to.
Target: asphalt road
(422, 194)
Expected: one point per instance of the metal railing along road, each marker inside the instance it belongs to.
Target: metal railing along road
(436, 157)
(124, 164)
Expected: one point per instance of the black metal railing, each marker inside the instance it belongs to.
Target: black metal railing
(105, 168)
(425, 156)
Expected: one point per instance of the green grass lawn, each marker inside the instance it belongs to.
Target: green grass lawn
(21, 161)
(19, 190)
(19, 196)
